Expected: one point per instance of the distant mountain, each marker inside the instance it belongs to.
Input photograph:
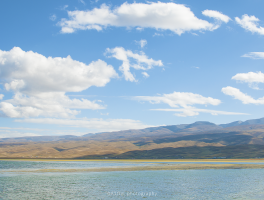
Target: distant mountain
(201, 139)
(236, 123)
(239, 123)
(201, 123)
(253, 121)
(39, 138)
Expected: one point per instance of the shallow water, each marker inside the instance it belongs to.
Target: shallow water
(169, 184)
(32, 165)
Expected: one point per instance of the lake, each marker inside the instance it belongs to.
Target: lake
(19, 180)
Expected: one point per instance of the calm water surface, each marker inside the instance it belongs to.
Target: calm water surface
(178, 184)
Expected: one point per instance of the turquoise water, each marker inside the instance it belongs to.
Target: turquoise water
(178, 184)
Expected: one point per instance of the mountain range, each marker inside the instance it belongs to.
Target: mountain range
(201, 139)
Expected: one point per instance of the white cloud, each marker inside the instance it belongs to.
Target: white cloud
(142, 62)
(145, 74)
(82, 1)
(161, 16)
(254, 55)
(15, 134)
(216, 15)
(186, 112)
(157, 34)
(142, 43)
(64, 7)
(237, 94)
(47, 104)
(250, 23)
(22, 128)
(176, 99)
(98, 125)
(53, 17)
(8, 132)
(39, 83)
(104, 114)
(1, 96)
(251, 78)
(181, 99)
(33, 73)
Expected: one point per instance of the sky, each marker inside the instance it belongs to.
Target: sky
(74, 67)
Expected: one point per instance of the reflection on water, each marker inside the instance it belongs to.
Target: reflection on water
(178, 184)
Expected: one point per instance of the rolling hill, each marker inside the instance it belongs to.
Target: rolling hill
(198, 140)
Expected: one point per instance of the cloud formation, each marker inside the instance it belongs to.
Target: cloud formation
(188, 112)
(183, 102)
(39, 83)
(130, 59)
(254, 55)
(82, 1)
(53, 17)
(142, 43)
(14, 134)
(98, 125)
(186, 100)
(145, 74)
(216, 15)
(176, 99)
(161, 16)
(237, 94)
(8, 132)
(250, 23)
(251, 78)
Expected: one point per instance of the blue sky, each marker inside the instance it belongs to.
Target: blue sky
(79, 66)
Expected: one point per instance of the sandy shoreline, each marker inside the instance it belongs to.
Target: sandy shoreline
(149, 168)
(151, 164)
(138, 160)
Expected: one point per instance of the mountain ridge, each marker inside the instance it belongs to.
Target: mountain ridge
(197, 126)
(200, 139)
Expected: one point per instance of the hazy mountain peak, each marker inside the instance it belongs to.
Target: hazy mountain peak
(200, 123)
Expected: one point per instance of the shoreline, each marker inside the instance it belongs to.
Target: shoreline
(147, 168)
(133, 160)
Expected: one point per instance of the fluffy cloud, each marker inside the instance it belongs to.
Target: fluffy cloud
(186, 112)
(33, 73)
(254, 55)
(40, 83)
(141, 61)
(251, 78)
(176, 99)
(47, 104)
(237, 94)
(161, 16)
(98, 125)
(216, 15)
(250, 23)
